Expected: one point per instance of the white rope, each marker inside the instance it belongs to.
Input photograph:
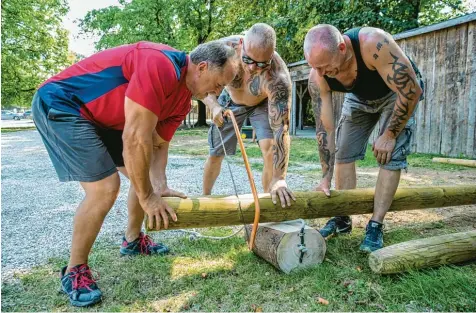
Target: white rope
(196, 235)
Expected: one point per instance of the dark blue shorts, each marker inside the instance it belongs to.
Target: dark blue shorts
(79, 149)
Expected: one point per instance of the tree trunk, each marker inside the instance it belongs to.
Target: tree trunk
(428, 252)
(202, 114)
(225, 210)
(470, 163)
(278, 244)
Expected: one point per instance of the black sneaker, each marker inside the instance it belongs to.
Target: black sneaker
(80, 286)
(373, 237)
(142, 245)
(337, 225)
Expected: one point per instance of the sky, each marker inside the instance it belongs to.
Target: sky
(77, 10)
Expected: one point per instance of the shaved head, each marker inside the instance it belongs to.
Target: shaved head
(261, 35)
(324, 36)
(325, 50)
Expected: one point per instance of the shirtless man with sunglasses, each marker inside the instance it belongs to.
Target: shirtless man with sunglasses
(261, 91)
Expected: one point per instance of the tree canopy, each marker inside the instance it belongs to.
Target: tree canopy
(34, 46)
(185, 23)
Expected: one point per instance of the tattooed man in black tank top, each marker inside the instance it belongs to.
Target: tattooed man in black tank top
(382, 86)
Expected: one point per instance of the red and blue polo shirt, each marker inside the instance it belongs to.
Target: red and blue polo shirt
(151, 74)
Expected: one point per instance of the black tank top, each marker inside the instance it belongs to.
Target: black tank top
(368, 85)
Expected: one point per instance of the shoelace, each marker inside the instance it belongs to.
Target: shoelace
(145, 243)
(82, 278)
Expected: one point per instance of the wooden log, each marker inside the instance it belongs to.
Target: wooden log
(224, 210)
(422, 253)
(279, 244)
(470, 163)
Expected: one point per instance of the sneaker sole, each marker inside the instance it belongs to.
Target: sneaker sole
(367, 249)
(84, 304)
(346, 232)
(81, 304)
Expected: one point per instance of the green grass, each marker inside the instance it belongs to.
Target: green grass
(303, 150)
(208, 275)
(16, 129)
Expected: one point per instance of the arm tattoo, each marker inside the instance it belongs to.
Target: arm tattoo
(278, 106)
(327, 157)
(406, 87)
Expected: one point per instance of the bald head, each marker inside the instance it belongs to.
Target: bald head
(325, 50)
(323, 36)
(261, 35)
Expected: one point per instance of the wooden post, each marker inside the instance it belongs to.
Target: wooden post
(293, 110)
(470, 163)
(421, 253)
(225, 210)
(278, 244)
(301, 113)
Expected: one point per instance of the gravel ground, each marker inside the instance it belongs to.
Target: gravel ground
(37, 210)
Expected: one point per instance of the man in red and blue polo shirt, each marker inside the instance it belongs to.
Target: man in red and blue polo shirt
(117, 111)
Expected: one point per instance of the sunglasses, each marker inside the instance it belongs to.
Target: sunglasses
(247, 60)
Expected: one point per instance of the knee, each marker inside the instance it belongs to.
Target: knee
(214, 160)
(105, 190)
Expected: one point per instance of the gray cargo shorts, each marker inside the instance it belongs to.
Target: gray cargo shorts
(356, 124)
(258, 115)
(78, 149)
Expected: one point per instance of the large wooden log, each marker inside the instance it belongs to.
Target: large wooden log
(224, 210)
(279, 244)
(470, 163)
(421, 253)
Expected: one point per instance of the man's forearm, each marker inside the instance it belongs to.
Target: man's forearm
(137, 158)
(402, 80)
(325, 137)
(161, 154)
(211, 102)
(326, 144)
(402, 112)
(281, 152)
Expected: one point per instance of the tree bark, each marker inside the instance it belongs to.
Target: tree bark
(202, 114)
(225, 210)
(421, 253)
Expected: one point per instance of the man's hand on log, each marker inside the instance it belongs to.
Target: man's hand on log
(324, 186)
(157, 210)
(279, 188)
(167, 192)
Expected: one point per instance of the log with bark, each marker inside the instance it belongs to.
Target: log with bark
(225, 210)
(463, 162)
(422, 253)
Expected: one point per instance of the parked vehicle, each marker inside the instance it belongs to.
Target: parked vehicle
(27, 114)
(9, 115)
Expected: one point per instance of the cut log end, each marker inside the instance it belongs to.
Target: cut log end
(279, 244)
